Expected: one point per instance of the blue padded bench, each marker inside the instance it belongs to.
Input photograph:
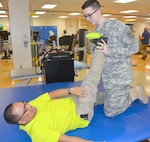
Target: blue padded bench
(130, 126)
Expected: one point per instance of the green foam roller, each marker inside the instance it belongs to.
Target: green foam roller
(93, 35)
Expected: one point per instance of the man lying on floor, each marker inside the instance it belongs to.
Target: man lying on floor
(47, 118)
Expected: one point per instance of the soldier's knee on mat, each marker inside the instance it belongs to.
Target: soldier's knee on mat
(109, 114)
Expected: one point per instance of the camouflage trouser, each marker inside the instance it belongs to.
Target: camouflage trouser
(90, 83)
(116, 100)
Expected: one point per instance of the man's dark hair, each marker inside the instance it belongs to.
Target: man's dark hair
(8, 116)
(91, 3)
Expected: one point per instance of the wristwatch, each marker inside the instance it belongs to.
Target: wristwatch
(69, 91)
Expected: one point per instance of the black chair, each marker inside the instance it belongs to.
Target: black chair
(65, 42)
(59, 71)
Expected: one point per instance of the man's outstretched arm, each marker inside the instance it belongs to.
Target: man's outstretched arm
(76, 91)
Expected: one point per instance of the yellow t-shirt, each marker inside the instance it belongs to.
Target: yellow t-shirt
(54, 117)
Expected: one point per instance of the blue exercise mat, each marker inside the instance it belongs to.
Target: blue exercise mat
(131, 126)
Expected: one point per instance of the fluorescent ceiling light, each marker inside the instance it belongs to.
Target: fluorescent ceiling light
(40, 12)
(49, 6)
(35, 16)
(75, 13)
(124, 1)
(129, 16)
(112, 18)
(130, 20)
(63, 17)
(147, 67)
(129, 11)
(147, 18)
(2, 12)
(105, 15)
(3, 16)
(1, 5)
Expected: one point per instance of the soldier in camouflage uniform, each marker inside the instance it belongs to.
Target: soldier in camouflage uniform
(112, 64)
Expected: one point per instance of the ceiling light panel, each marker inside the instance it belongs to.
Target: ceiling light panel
(63, 17)
(130, 20)
(35, 16)
(106, 15)
(124, 1)
(2, 12)
(147, 18)
(129, 11)
(112, 18)
(3, 16)
(129, 16)
(49, 6)
(40, 12)
(74, 13)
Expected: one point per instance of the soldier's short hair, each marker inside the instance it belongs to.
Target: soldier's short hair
(91, 3)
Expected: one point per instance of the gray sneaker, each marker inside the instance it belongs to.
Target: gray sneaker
(143, 97)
